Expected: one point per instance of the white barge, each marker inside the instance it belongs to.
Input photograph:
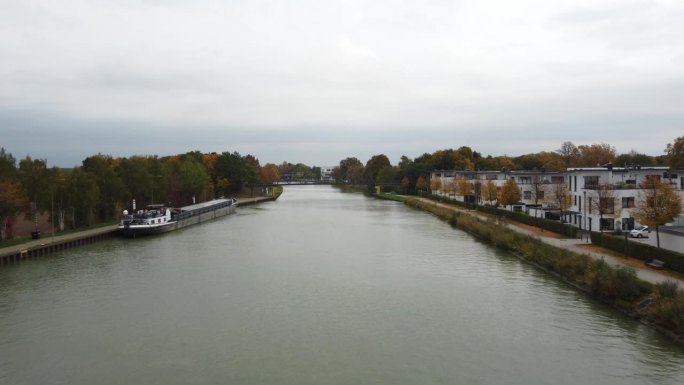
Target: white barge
(157, 219)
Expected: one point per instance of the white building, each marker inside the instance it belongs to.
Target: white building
(327, 173)
(537, 188)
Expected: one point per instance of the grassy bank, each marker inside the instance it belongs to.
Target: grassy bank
(661, 306)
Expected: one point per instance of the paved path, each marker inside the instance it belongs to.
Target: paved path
(643, 272)
(46, 239)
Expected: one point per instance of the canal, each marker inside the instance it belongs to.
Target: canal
(320, 287)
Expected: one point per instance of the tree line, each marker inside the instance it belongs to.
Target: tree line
(412, 175)
(98, 189)
(102, 185)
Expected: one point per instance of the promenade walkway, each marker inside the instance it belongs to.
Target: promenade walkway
(576, 245)
(47, 240)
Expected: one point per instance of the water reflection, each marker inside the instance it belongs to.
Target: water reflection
(319, 287)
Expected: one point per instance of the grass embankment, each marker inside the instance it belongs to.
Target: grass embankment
(660, 305)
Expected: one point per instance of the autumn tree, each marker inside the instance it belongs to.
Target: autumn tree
(12, 197)
(510, 193)
(488, 191)
(269, 173)
(346, 163)
(658, 204)
(559, 197)
(596, 154)
(435, 184)
(675, 154)
(355, 173)
(421, 184)
(11, 202)
(463, 187)
(602, 201)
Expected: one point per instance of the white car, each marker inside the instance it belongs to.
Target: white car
(640, 232)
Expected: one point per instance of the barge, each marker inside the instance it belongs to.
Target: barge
(156, 219)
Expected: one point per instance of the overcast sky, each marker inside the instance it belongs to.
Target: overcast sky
(317, 81)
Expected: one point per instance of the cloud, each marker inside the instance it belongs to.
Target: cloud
(320, 79)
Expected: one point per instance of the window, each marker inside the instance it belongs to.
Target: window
(628, 203)
(525, 180)
(627, 223)
(607, 224)
(558, 179)
(540, 194)
(491, 177)
(591, 182)
(527, 194)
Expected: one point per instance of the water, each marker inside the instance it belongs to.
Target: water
(321, 287)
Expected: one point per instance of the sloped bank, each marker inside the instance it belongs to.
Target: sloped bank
(660, 306)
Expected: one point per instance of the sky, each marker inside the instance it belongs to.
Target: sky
(318, 81)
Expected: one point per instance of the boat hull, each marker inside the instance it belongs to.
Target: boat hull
(138, 230)
(186, 216)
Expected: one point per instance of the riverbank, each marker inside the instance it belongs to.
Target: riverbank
(657, 302)
(30, 249)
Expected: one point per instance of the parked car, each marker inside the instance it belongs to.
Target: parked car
(640, 232)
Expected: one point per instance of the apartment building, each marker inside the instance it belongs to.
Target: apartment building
(601, 197)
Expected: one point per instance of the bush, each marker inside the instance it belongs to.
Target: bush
(673, 260)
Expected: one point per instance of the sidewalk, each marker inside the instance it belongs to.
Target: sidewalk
(46, 239)
(575, 245)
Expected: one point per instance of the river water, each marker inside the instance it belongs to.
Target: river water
(320, 287)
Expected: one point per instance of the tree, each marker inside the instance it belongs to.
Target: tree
(635, 158)
(193, 178)
(8, 165)
(435, 184)
(658, 204)
(373, 167)
(421, 184)
(488, 191)
(463, 187)
(269, 173)
(537, 193)
(570, 154)
(510, 193)
(112, 190)
(35, 181)
(559, 197)
(230, 166)
(596, 154)
(251, 173)
(345, 164)
(12, 200)
(602, 201)
(387, 174)
(81, 196)
(675, 154)
(405, 184)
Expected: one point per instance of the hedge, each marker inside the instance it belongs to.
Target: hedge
(546, 224)
(673, 260)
